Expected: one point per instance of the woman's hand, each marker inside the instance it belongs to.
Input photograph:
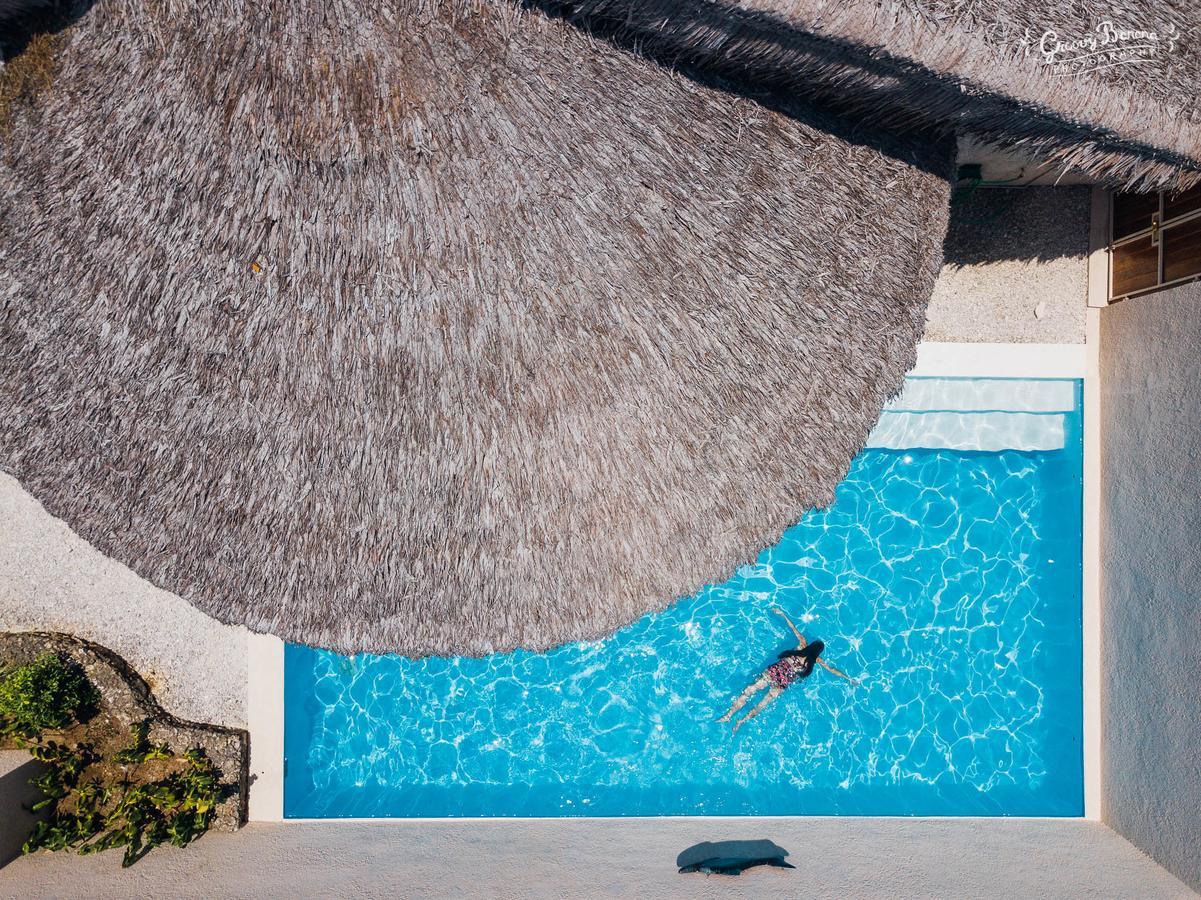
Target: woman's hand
(800, 638)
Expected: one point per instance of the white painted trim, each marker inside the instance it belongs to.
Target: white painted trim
(969, 360)
(1091, 593)
(1098, 249)
(265, 721)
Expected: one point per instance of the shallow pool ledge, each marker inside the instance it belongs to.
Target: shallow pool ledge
(963, 360)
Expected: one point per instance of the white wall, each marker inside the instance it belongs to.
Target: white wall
(1151, 575)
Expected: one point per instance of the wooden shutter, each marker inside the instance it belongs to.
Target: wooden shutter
(1155, 241)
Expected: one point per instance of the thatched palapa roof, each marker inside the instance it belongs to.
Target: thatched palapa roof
(422, 328)
(437, 326)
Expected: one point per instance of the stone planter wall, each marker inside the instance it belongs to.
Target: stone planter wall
(127, 695)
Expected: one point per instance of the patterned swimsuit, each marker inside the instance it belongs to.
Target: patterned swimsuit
(788, 670)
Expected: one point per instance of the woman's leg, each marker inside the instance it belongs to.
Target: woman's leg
(775, 692)
(740, 701)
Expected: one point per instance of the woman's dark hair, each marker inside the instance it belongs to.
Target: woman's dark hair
(809, 652)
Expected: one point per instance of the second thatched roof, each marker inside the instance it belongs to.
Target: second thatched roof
(438, 330)
(1107, 89)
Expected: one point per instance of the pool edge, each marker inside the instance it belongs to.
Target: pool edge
(1091, 565)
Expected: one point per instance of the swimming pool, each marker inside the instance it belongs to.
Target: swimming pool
(946, 576)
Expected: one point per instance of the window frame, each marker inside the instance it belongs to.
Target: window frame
(1156, 232)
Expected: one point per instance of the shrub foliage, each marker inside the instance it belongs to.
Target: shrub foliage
(50, 692)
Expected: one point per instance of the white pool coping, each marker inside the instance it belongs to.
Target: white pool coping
(265, 687)
(1091, 559)
(265, 722)
(955, 360)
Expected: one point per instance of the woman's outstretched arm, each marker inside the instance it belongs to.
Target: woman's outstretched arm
(800, 637)
(833, 671)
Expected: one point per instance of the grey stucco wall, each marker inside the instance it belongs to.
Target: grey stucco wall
(1015, 267)
(1151, 575)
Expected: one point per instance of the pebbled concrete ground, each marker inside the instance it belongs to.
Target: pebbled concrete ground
(1015, 268)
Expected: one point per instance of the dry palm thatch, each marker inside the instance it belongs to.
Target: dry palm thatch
(399, 327)
(1132, 119)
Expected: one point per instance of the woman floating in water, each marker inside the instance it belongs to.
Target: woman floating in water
(793, 665)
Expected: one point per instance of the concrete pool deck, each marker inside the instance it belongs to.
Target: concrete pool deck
(570, 858)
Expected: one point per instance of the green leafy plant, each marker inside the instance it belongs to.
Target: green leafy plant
(142, 750)
(48, 693)
(136, 796)
(135, 810)
(60, 832)
(63, 765)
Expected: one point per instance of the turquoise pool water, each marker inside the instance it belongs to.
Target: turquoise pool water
(948, 580)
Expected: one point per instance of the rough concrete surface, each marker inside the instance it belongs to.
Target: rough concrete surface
(16, 795)
(1011, 254)
(567, 858)
(1151, 572)
(53, 580)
